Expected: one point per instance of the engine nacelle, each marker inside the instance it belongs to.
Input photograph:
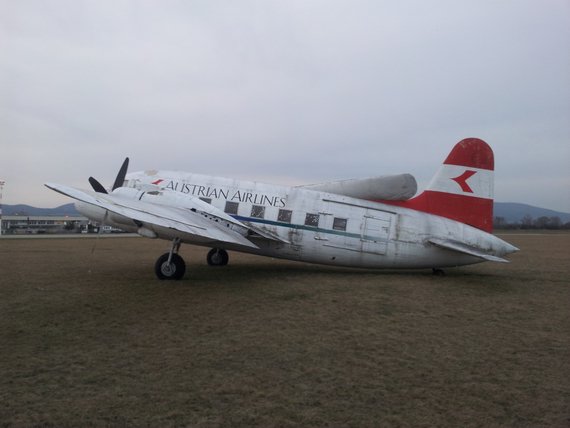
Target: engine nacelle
(92, 212)
(103, 216)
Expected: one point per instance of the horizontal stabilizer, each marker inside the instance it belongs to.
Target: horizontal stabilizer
(399, 187)
(466, 249)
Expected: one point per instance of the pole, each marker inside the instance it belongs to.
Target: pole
(1, 188)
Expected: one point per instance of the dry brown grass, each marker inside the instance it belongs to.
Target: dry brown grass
(96, 340)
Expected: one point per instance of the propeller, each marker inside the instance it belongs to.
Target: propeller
(98, 187)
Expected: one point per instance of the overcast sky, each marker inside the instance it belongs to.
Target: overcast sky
(283, 91)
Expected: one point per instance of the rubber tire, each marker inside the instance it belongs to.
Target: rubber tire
(438, 272)
(217, 257)
(176, 269)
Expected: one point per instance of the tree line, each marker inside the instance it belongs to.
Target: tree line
(528, 222)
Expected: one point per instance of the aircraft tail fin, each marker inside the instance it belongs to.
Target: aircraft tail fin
(462, 189)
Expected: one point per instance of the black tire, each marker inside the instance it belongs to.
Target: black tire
(217, 257)
(174, 270)
(438, 272)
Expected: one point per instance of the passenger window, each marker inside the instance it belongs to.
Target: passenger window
(207, 200)
(312, 220)
(284, 216)
(231, 207)
(339, 223)
(257, 211)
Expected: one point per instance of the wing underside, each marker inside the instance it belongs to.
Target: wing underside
(156, 217)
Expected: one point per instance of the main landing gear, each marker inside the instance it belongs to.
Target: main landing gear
(170, 265)
(217, 257)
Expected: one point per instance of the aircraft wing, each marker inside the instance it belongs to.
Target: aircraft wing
(466, 249)
(261, 232)
(184, 220)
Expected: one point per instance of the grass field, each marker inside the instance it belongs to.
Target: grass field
(93, 339)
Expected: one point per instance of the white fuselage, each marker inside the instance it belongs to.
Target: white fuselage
(312, 226)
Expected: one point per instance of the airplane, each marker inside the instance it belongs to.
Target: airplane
(369, 223)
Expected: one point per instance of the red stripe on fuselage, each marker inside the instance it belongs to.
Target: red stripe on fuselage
(476, 212)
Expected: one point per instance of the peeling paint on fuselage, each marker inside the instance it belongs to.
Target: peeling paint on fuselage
(375, 235)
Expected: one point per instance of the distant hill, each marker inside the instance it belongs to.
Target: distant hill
(511, 212)
(514, 212)
(67, 209)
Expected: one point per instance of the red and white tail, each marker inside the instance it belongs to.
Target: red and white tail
(462, 189)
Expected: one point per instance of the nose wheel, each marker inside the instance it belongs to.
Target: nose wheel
(170, 265)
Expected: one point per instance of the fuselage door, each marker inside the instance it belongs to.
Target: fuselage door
(376, 232)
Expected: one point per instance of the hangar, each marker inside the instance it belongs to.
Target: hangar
(30, 224)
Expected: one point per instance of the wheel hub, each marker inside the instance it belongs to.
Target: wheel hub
(168, 269)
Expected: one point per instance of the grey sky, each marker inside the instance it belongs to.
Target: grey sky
(283, 91)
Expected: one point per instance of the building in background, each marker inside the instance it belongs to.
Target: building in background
(30, 224)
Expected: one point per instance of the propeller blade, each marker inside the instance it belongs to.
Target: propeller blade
(121, 175)
(98, 187)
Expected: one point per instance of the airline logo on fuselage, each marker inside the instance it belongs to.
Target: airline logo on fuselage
(462, 180)
(231, 195)
(458, 180)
